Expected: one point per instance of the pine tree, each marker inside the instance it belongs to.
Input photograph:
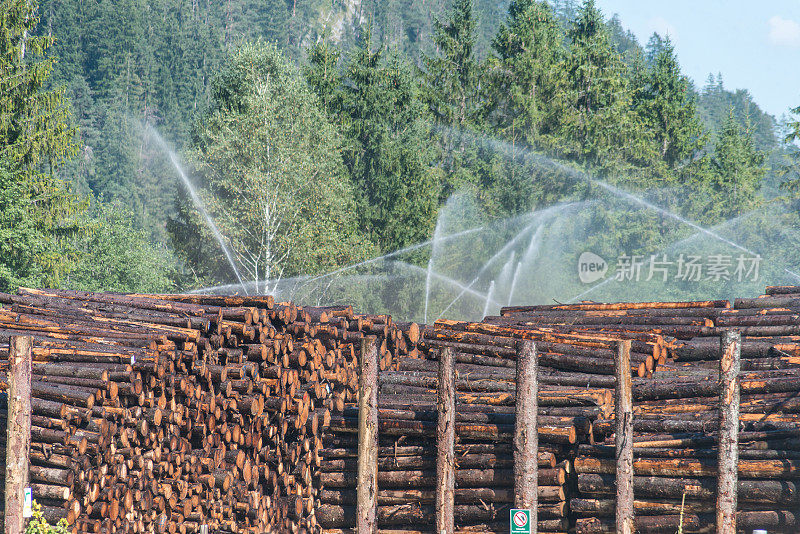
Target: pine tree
(624, 41)
(453, 88)
(270, 20)
(453, 73)
(33, 120)
(38, 214)
(790, 170)
(655, 47)
(324, 78)
(389, 148)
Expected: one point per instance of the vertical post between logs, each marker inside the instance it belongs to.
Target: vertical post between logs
(445, 442)
(18, 439)
(367, 483)
(728, 459)
(526, 434)
(623, 438)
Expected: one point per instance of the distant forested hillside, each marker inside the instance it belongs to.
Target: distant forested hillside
(395, 105)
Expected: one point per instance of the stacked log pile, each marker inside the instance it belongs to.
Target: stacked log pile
(576, 387)
(676, 414)
(166, 413)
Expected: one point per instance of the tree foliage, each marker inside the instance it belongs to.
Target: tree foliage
(33, 119)
(118, 256)
(38, 213)
(595, 122)
(530, 51)
(666, 107)
(344, 134)
(387, 141)
(270, 174)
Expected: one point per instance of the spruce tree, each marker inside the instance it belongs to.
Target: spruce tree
(324, 78)
(737, 170)
(595, 122)
(529, 48)
(38, 214)
(453, 78)
(34, 120)
(453, 73)
(666, 106)
(624, 41)
(790, 170)
(389, 148)
(655, 47)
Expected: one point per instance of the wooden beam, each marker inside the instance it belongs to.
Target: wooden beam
(623, 438)
(526, 435)
(367, 483)
(445, 442)
(18, 442)
(728, 459)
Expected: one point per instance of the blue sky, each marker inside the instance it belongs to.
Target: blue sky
(755, 45)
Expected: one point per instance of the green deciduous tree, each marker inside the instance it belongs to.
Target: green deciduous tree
(267, 164)
(118, 256)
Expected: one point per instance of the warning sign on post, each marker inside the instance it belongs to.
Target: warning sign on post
(520, 521)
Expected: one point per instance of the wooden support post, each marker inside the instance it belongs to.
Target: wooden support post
(367, 483)
(445, 442)
(728, 459)
(526, 434)
(18, 439)
(623, 438)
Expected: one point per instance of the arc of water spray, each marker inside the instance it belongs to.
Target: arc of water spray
(669, 246)
(489, 296)
(428, 287)
(514, 283)
(409, 248)
(198, 202)
(450, 281)
(623, 194)
(531, 252)
(505, 249)
(434, 242)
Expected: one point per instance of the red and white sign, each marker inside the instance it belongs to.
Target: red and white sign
(520, 519)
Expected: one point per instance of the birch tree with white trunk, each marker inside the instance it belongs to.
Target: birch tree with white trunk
(268, 167)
